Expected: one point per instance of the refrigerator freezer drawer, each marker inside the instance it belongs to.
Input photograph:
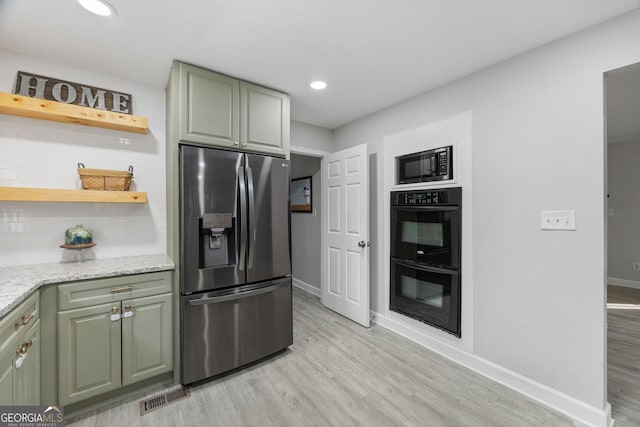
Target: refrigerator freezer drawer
(227, 329)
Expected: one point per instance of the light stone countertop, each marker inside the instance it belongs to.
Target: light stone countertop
(20, 281)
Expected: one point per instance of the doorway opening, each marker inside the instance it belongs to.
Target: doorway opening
(622, 227)
(306, 225)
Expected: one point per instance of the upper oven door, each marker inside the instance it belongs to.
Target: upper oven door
(426, 234)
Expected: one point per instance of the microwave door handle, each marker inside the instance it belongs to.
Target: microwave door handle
(242, 195)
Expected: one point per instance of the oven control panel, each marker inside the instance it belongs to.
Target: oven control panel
(444, 196)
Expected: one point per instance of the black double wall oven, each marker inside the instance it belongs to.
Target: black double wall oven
(425, 256)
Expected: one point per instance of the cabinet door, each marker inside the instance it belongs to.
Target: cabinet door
(7, 373)
(209, 107)
(264, 120)
(147, 337)
(89, 352)
(27, 385)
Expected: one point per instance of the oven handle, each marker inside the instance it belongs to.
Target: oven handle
(425, 267)
(425, 208)
(239, 295)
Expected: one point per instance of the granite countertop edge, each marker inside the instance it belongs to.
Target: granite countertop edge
(18, 282)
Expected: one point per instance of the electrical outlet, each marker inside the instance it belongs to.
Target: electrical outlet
(636, 266)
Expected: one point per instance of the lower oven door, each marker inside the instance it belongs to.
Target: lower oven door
(226, 329)
(428, 294)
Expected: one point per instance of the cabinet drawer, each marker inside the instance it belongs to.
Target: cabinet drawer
(18, 321)
(102, 291)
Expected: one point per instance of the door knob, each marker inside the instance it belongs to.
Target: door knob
(362, 244)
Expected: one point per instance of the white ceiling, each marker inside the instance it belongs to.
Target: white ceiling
(372, 54)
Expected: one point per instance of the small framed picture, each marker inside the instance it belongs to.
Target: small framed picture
(301, 195)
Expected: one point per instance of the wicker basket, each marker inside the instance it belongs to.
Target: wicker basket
(105, 179)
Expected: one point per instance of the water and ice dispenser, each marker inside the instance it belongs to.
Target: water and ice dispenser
(217, 240)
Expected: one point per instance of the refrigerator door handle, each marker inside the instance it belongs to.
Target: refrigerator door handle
(252, 221)
(237, 296)
(242, 189)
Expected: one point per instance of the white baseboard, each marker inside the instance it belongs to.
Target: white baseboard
(305, 287)
(548, 396)
(623, 282)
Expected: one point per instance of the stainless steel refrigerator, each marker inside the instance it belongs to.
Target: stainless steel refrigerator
(235, 260)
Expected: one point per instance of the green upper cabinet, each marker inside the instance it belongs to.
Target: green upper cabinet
(264, 120)
(218, 110)
(209, 107)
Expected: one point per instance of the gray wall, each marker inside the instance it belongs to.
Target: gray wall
(311, 137)
(537, 145)
(623, 165)
(306, 227)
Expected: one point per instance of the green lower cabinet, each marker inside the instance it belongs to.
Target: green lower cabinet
(26, 388)
(20, 382)
(147, 340)
(20, 365)
(108, 346)
(89, 352)
(7, 374)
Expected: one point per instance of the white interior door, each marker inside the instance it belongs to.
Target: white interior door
(345, 233)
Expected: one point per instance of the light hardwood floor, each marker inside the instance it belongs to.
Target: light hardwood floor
(623, 355)
(338, 373)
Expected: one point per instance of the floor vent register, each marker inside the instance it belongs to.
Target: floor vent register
(162, 400)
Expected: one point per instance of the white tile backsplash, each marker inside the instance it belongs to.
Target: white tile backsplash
(38, 153)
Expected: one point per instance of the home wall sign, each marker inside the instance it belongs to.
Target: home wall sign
(35, 86)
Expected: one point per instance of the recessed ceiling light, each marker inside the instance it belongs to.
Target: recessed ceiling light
(318, 85)
(99, 7)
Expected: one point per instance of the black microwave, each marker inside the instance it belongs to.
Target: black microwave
(430, 165)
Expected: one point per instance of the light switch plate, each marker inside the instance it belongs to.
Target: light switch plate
(558, 220)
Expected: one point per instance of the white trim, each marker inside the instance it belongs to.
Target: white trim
(307, 151)
(305, 286)
(607, 411)
(546, 395)
(453, 130)
(623, 282)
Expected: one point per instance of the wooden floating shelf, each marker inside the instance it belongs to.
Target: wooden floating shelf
(37, 108)
(23, 194)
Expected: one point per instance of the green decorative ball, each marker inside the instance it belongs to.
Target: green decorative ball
(77, 235)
